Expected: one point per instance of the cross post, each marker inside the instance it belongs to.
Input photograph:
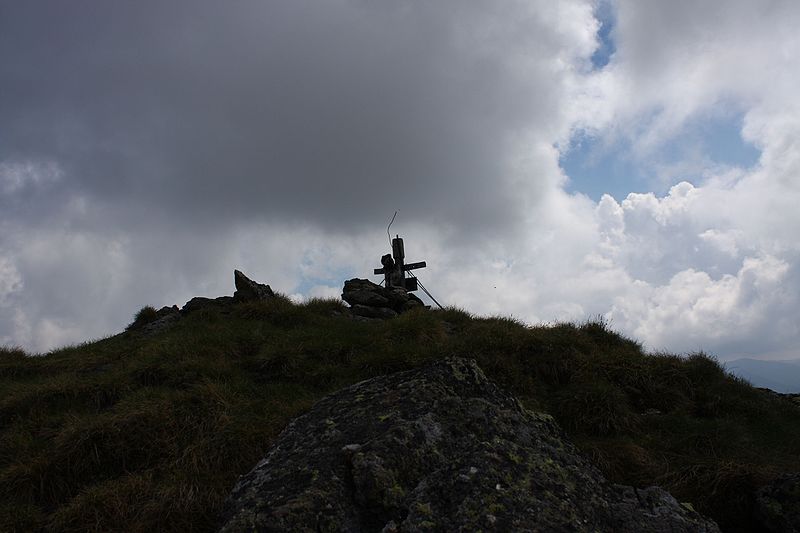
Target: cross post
(394, 267)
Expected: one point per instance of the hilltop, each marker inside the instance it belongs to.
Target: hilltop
(150, 429)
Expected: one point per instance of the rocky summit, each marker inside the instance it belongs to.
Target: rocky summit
(439, 448)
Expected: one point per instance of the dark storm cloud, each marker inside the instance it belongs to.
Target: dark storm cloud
(328, 113)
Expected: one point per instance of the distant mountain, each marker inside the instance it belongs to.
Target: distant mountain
(780, 376)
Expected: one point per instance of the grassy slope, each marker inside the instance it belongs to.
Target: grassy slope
(146, 434)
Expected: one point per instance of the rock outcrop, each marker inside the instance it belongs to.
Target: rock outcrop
(201, 302)
(248, 290)
(437, 449)
(370, 300)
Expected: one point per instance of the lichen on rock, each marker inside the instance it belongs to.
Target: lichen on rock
(439, 448)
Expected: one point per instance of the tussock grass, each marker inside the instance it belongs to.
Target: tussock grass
(143, 316)
(144, 433)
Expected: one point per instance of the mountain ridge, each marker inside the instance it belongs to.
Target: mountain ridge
(781, 376)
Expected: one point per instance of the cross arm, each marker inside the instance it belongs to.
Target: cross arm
(413, 266)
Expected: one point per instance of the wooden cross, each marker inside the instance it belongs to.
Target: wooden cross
(394, 268)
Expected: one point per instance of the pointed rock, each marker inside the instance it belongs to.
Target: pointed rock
(249, 290)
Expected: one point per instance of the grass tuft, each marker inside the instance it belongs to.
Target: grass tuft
(143, 316)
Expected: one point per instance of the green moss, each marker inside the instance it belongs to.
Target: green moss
(396, 492)
(423, 509)
(496, 508)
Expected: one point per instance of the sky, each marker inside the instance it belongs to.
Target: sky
(637, 161)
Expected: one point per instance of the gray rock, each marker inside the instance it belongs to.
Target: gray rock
(249, 290)
(362, 292)
(367, 298)
(437, 449)
(778, 505)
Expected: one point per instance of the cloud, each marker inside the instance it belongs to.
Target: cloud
(10, 280)
(719, 312)
(291, 110)
(15, 177)
(149, 148)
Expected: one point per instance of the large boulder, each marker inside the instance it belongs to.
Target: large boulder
(364, 292)
(437, 449)
(370, 300)
(249, 290)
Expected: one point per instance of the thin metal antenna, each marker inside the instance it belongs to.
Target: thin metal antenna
(389, 226)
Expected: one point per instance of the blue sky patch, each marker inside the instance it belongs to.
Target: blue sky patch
(604, 12)
(706, 142)
(334, 280)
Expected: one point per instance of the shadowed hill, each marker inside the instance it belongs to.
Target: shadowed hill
(149, 431)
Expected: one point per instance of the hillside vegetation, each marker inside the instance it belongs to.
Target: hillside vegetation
(149, 433)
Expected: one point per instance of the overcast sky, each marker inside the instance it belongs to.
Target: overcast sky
(554, 161)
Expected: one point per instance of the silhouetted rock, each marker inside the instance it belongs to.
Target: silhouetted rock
(371, 300)
(437, 449)
(364, 292)
(778, 505)
(199, 302)
(248, 290)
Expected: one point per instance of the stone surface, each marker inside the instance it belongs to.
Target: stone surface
(437, 449)
(362, 293)
(778, 505)
(249, 290)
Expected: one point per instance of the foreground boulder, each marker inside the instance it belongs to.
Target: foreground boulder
(370, 300)
(437, 449)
